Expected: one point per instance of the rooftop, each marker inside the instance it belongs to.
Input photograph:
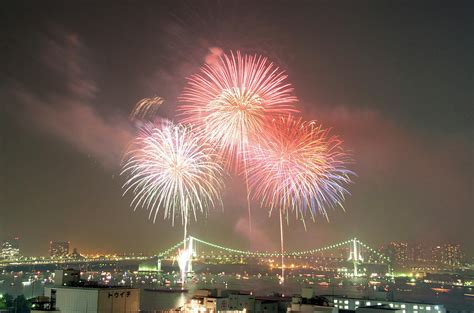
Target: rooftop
(379, 300)
(379, 307)
(88, 287)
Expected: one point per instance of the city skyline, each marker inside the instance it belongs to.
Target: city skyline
(398, 94)
(399, 252)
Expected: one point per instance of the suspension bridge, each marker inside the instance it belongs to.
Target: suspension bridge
(351, 252)
(357, 253)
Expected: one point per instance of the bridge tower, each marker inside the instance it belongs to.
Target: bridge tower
(158, 265)
(355, 255)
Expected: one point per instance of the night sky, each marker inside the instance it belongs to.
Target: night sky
(393, 78)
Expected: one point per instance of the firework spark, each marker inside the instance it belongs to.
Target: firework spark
(146, 107)
(298, 167)
(169, 167)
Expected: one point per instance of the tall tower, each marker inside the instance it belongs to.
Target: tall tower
(158, 265)
(355, 256)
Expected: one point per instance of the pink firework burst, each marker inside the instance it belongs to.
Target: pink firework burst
(231, 99)
(299, 167)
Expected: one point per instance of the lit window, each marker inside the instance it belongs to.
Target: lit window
(357, 302)
(346, 302)
(367, 303)
(346, 307)
(403, 306)
(391, 305)
(415, 307)
(428, 308)
(335, 300)
(379, 303)
(335, 305)
(436, 307)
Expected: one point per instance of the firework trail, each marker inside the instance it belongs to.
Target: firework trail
(146, 107)
(230, 101)
(172, 169)
(298, 167)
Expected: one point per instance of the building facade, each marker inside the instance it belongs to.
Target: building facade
(68, 299)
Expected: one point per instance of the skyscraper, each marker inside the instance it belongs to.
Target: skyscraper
(418, 253)
(58, 249)
(452, 254)
(447, 254)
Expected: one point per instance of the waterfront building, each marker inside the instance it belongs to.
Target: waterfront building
(353, 304)
(10, 249)
(448, 254)
(418, 254)
(452, 255)
(72, 295)
(94, 299)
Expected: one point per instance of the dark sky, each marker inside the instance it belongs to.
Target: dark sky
(393, 78)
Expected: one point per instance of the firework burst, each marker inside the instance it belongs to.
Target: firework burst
(171, 168)
(231, 99)
(298, 167)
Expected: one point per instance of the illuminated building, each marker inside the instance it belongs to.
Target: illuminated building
(447, 254)
(452, 254)
(70, 295)
(398, 253)
(354, 304)
(310, 302)
(437, 254)
(58, 249)
(418, 253)
(10, 249)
